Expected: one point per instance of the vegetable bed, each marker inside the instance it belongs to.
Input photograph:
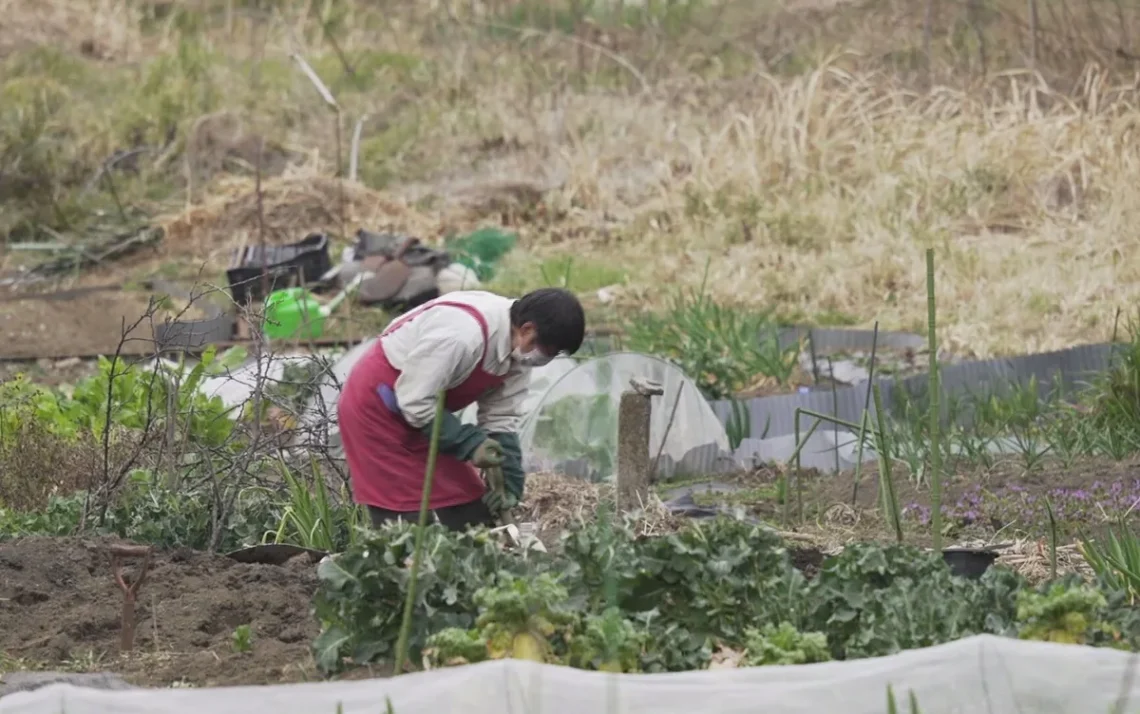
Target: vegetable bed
(716, 593)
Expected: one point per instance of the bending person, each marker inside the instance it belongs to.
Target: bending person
(479, 347)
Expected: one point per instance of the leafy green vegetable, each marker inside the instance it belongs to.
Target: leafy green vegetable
(147, 510)
(522, 614)
(784, 645)
(873, 600)
(1062, 613)
(455, 646)
(129, 396)
(609, 642)
(361, 594)
(242, 639)
(22, 402)
(718, 576)
(610, 600)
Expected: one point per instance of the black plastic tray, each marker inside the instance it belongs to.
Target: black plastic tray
(287, 265)
(182, 334)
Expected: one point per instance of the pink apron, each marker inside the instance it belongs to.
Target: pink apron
(386, 457)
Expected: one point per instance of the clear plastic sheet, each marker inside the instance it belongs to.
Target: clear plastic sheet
(979, 675)
(576, 420)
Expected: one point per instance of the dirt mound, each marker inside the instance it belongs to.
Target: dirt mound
(60, 604)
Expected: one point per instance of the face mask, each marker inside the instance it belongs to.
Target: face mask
(534, 358)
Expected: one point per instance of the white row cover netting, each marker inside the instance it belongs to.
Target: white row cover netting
(571, 411)
(979, 675)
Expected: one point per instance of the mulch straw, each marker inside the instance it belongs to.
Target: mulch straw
(558, 503)
(1031, 559)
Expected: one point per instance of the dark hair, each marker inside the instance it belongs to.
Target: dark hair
(556, 314)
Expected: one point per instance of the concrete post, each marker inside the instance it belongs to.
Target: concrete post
(633, 458)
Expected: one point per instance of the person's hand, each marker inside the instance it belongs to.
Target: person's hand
(487, 455)
(499, 502)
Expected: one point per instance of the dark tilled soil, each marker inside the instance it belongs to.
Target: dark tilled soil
(60, 607)
(807, 560)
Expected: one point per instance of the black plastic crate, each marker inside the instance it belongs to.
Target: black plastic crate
(388, 244)
(287, 265)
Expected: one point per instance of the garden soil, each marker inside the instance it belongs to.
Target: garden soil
(822, 491)
(1082, 474)
(89, 325)
(832, 520)
(60, 608)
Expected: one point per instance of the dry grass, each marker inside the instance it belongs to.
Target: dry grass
(806, 166)
(292, 207)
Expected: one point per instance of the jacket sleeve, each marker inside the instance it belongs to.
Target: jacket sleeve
(449, 346)
(500, 414)
(500, 411)
(456, 438)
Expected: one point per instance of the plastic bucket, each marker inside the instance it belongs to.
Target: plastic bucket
(293, 313)
(969, 562)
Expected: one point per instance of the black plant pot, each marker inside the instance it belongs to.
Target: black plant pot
(969, 562)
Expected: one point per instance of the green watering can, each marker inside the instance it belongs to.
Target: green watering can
(294, 313)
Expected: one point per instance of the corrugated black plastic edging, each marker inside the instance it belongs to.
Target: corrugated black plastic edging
(1071, 367)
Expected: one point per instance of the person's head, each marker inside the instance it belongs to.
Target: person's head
(544, 324)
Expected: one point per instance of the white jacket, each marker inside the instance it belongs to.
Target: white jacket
(440, 348)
